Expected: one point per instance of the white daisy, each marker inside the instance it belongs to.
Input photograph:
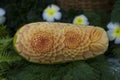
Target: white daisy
(2, 17)
(2, 12)
(81, 20)
(51, 13)
(114, 32)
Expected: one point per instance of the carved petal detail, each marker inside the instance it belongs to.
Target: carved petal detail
(97, 47)
(72, 37)
(95, 34)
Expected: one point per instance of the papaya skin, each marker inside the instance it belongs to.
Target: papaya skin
(14, 41)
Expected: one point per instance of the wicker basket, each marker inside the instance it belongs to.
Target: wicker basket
(86, 5)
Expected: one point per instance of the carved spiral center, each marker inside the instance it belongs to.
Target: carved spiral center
(72, 39)
(41, 42)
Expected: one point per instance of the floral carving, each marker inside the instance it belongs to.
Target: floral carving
(72, 38)
(47, 43)
(41, 42)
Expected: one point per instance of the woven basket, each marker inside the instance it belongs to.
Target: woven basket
(86, 5)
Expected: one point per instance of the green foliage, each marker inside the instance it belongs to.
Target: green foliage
(7, 56)
(3, 31)
(115, 15)
(7, 53)
(81, 71)
(94, 18)
(104, 17)
(70, 71)
(107, 70)
(3, 68)
(116, 51)
(93, 69)
(1, 78)
(98, 18)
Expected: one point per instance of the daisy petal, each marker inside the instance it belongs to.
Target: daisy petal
(83, 17)
(86, 23)
(117, 41)
(50, 19)
(2, 19)
(2, 12)
(110, 36)
(112, 25)
(56, 7)
(44, 15)
(74, 20)
(58, 16)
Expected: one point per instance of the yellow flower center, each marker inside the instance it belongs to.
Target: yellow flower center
(116, 32)
(50, 11)
(79, 20)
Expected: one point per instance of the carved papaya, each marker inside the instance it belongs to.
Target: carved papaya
(48, 43)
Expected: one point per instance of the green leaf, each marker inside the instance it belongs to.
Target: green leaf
(1, 78)
(3, 68)
(116, 51)
(3, 31)
(110, 71)
(7, 53)
(69, 71)
(81, 71)
(8, 57)
(93, 18)
(115, 15)
(107, 70)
